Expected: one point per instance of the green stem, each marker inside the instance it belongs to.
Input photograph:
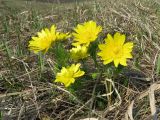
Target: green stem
(41, 63)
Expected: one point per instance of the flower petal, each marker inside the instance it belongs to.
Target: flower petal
(86, 33)
(107, 61)
(67, 75)
(123, 62)
(79, 73)
(109, 39)
(119, 39)
(116, 62)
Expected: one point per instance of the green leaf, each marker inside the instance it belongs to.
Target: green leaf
(0, 115)
(93, 52)
(61, 55)
(94, 75)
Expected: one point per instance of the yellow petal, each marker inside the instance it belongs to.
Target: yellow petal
(76, 67)
(128, 55)
(42, 42)
(109, 39)
(119, 38)
(123, 62)
(86, 33)
(128, 45)
(115, 50)
(72, 80)
(53, 29)
(116, 62)
(79, 73)
(107, 61)
(101, 46)
(67, 75)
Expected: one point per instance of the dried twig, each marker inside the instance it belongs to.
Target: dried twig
(149, 92)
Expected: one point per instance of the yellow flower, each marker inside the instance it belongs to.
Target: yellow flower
(86, 33)
(67, 75)
(43, 41)
(62, 36)
(79, 52)
(115, 50)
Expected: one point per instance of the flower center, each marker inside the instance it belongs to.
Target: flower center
(70, 73)
(88, 36)
(116, 51)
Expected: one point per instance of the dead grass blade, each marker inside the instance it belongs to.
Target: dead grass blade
(116, 104)
(152, 100)
(150, 93)
(129, 111)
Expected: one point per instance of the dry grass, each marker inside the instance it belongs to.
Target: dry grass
(27, 92)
